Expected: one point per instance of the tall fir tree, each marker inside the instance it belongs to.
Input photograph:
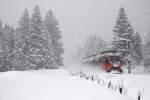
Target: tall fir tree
(22, 45)
(4, 61)
(7, 48)
(1, 46)
(52, 27)
(33, 45)
(123, 33)
(137, 49)
(11, 46)
(146, 53)
(123, 36)
(40, 56)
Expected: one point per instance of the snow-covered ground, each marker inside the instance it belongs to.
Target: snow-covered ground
(55, 84)
(133, 84)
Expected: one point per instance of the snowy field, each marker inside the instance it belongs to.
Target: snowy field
(52, 85)
(132, 84)
(58, 84)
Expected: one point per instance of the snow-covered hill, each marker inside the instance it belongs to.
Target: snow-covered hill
(52, 85)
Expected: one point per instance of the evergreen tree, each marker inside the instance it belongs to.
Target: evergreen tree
(39, 54)
(1, 46)
(137, 49)
(11, 46)
(51, 25)
(93, 46)
(123, 36)
(123, 33)
(36, 21)
(33, 45)
(7, 39)
(90, 46)
(101, 45)
(22, 46)
(146, 53)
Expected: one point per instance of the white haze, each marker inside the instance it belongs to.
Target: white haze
(80, 18)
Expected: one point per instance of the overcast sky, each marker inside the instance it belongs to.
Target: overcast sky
(80, 18)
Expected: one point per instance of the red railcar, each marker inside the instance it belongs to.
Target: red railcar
(111, 60)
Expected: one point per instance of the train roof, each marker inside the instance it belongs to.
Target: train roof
(108, 51)
(102, 54)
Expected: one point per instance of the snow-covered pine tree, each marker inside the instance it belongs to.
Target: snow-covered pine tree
(136, 52)
(3, 49)
(11, 46)
(7, 48)
(52, 27)
(1, 46)
(101, 45)
(146, 53)
(93, 46)
(39, 54)
(123, 36)
(90, 46)
(22, 46)
(123, 32)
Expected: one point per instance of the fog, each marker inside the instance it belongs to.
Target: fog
(80, 18)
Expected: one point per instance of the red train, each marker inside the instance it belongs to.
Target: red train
(111, 60)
